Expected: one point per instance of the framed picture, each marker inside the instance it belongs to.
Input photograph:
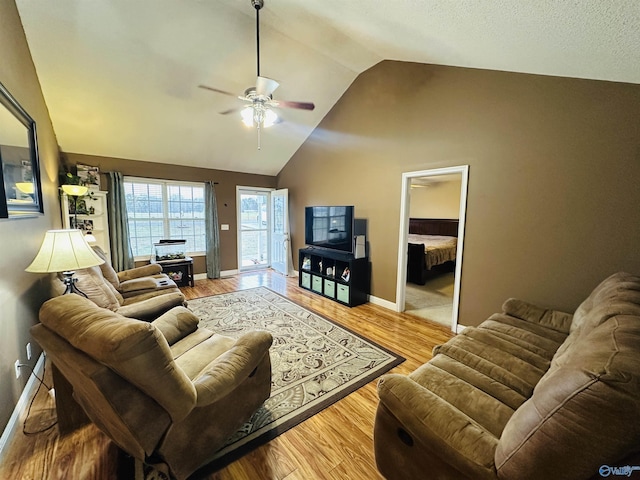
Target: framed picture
(20, 189)
(89, 176)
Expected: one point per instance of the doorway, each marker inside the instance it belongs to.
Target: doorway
(441, 286)
(263, 229)
(253, 228)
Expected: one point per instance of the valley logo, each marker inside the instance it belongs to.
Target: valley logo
(625, 471)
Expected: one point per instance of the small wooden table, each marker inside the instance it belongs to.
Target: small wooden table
(180, 271)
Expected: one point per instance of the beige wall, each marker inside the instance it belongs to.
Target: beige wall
(21, 293)
(225, 192)
(553, 181)
(435, 200)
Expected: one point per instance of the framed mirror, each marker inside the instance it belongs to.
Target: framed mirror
(20, 190)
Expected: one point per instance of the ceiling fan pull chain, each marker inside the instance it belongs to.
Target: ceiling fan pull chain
(258, 136)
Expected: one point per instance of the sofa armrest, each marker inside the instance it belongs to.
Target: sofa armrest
(143, 271)
(450, 434)
(142, 284)
(231, 368)
(176, 324)
(553, 319)
(153, 307)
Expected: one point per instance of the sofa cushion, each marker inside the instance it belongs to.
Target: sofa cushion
(501, 366)
(476, 403)
(617, 295)
(176, 324)
(108, 272)
(498, 390)
(621, 287)
(92, 283)
(583, 412)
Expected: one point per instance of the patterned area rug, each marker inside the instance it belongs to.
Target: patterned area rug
(315, 362)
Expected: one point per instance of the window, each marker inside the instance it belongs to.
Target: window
(158, 209)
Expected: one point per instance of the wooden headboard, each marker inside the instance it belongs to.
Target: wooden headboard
(434, 226)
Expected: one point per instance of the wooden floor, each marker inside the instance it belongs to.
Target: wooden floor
(335, 444)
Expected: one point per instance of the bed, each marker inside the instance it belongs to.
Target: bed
(432, 248)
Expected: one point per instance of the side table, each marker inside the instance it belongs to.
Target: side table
(180, 271)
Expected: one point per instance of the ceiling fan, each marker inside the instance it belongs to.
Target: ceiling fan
(259, 99)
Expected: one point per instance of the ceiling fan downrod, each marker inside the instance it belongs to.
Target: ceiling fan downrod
(257, 4)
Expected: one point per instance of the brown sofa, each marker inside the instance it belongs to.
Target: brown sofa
(529, 394)
(167, 392)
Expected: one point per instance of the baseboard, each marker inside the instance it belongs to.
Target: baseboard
(383, 303)
(223, 273)
(460, 328)
(14, 422)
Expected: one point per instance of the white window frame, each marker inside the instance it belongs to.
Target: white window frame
(165, 204)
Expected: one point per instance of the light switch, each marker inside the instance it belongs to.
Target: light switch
(224, 226)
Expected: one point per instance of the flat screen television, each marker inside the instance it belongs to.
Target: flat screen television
(329, 227)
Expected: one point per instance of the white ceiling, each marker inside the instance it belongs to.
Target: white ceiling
(120, 76)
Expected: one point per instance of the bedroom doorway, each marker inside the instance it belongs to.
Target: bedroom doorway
(434, 290)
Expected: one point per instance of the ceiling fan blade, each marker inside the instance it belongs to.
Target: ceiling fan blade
(266, 86)
(218, 90)
(290, 104)
(231, 110)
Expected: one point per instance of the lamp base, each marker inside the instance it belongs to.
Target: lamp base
(70, 282)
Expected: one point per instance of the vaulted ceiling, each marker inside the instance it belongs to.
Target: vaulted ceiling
(120, 77)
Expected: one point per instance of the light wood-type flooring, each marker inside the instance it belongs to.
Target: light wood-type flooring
(337, 443)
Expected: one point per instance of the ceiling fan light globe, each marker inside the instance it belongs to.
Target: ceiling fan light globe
(247, 116)
(270, 117)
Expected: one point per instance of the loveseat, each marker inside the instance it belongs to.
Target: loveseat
(530, 393)
(168, 392)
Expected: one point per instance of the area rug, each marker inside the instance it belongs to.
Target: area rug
(315, 362)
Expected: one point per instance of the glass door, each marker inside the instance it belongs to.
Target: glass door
(280, 241)
(253, 228)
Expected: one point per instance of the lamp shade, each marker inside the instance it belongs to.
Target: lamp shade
(63, 250)
(26, 187)
(75, 190)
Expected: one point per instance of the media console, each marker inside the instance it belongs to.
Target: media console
(334, 274)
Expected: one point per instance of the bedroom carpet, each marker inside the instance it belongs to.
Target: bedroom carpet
(315, 363)
(433, 300)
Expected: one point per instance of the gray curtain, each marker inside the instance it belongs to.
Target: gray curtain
(121, 253)
(212, 233)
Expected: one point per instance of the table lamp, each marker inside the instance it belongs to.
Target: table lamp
(64, 251)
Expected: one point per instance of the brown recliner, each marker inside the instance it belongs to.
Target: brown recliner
(167, 392)
(145, 304)
(135, 281)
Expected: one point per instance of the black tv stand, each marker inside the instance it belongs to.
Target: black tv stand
(334, 274)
